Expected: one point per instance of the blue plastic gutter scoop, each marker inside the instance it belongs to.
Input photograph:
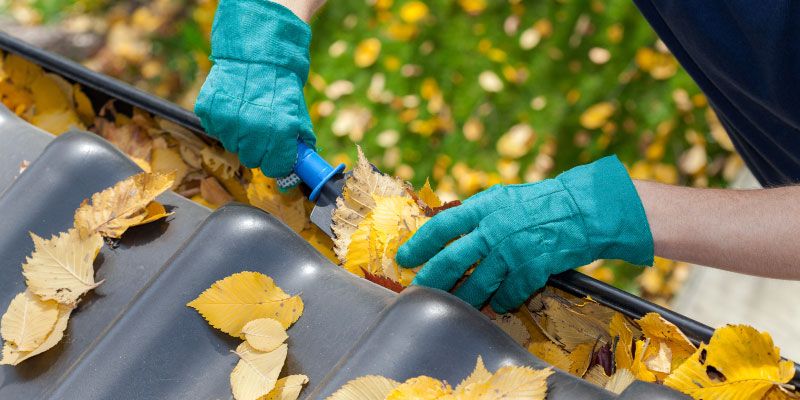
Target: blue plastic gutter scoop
(325, 182)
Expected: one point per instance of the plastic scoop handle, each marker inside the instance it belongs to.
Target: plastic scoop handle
(313, 170)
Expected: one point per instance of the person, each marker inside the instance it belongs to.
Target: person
(743, 57)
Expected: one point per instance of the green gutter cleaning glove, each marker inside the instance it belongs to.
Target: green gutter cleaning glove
(521, 234)
(252, 101)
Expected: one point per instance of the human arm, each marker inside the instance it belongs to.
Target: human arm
(753, 232)
(304, 9)
(252, 99)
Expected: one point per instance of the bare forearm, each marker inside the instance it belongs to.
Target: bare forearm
(755, 232)
(304, 9)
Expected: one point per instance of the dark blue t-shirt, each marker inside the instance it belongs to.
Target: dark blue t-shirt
(745, 56)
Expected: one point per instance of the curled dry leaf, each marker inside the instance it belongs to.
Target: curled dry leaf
(232, 302)
(739, 362)
(620, 329)
(257, 372)
(264, 334)
(374, 243)
(28, 321)
(661, 331)
(13, 356)
(121, 206)
(370, 387)
(60, 268)
(357, 200)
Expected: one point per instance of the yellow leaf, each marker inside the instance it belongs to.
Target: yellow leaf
(597, 115)
(514, 327)
(739, 362)
(367, 52)
(473, 7)
(512, 383)
(83, 106)
(358, 200)
(638, 366)
(257, 372)
(21, 71)
(620, 380)
(14, 356)
(61, 268)
(659, 331)
(428, 196)
(370, 387)
(420, 388)
(264, 334)
(479, 375)
(153, 212)
(48, 94)
(574, 324)
(57, 121)
(215, 158)
(234, 301)
(141, 163)
(165, 160)
(121, 206)
(287, 388)
(621, 329)
(372, 247)
(517, 142)
(28, 321)
(413, 11)
(551, 353)
(263, 193)
(580, 357)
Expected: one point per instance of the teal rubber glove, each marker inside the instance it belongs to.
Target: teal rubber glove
(252, 100)
(521, 234)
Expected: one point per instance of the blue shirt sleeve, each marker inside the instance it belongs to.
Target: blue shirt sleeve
(745, 56)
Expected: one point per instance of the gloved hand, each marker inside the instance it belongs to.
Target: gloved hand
(521, 234)
(252, 101)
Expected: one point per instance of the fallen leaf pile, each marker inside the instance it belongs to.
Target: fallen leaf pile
(61, 269)
(374, 216)
(603, 346)
(41, 98)
(509, 382)
(204, 172)
(248, 305)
